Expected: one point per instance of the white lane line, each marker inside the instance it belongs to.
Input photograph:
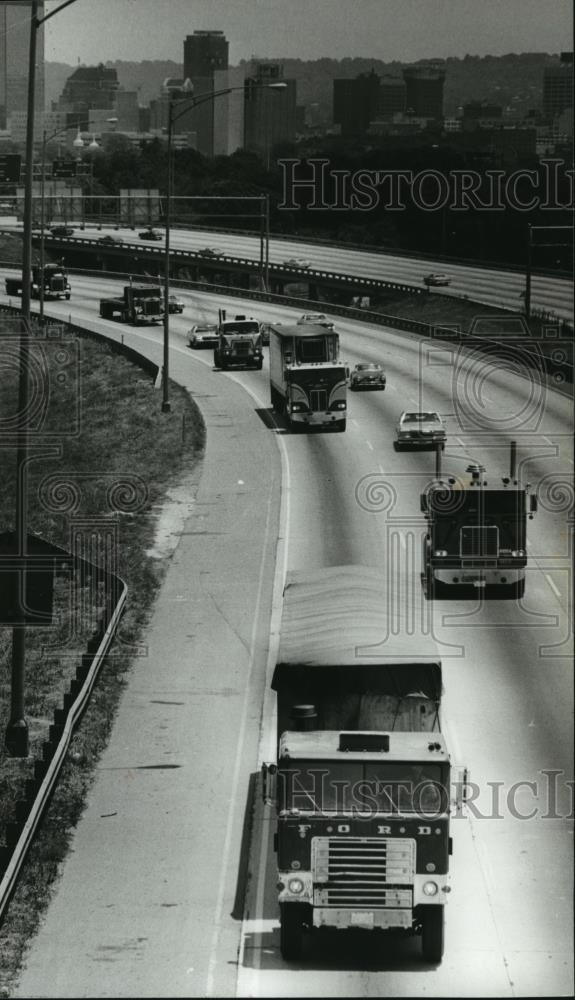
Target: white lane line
(460, 442)
(231, 824)
(354, 422)
(257, 926)
(554, 588)
(369, 445)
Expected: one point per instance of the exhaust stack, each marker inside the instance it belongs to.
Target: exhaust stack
(304, 718)
(513, 461)
(437, 460)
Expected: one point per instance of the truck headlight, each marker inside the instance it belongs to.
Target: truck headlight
(516, 553)
(297, 407)
(440, 552)
(430, 888)
(296, 886)
(340, 405)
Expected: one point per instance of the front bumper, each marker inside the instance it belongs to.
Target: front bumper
(421, 441)
(319, 419)
(478, 576)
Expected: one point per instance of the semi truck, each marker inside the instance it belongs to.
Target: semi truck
(56, 284)
(308, 381)
(476, 533)
(362, 783)
(239, 343)
(139, 304)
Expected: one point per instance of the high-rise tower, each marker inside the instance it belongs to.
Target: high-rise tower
(14, 49)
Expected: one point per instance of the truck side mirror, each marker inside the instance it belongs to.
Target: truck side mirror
(459, 784)
(423, 503)
(269, 777)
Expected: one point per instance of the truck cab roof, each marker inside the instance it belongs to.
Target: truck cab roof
(325, 745)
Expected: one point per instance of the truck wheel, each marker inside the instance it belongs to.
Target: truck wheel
(432, 933)
(340, 425)
(217, 359)
(292, 929)
(67, 296)
(259, 366)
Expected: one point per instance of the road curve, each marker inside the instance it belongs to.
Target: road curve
(157, 913)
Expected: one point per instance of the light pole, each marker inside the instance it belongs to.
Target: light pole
(190, 103)
(78, 144)
(17, 729)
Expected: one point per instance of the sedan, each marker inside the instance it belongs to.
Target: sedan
(300, 262)
(203, 335)
(419, 430)
(62, 231)
(210, 252)
(150, 234)
(175, 304)
(436, 279)
(319, 319)
(109, 239)
(367, 376)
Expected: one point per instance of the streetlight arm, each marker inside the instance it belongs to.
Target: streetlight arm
(193, 101)
(42, 20)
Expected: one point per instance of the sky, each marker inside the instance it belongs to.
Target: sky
(92, 31)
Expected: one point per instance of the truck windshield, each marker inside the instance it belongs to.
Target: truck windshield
(364, 788)
(241, 327)
(315, 378)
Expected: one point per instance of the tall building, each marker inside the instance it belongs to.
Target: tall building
(392, 95)
(270, 115)
(229, 111)
(14, 51)
(89, 88)
(356, 103)
(424, 89)
(558, 86)
(205, 54)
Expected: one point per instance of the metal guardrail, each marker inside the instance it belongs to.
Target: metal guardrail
(81, 689)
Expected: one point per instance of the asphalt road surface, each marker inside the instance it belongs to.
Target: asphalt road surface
(170, 886)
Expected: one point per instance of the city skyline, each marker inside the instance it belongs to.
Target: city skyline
(403, 30)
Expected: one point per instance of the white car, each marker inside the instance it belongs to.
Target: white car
(319, 319)
(300, 262)
(203, 335)
(437, 279)
(423, 429)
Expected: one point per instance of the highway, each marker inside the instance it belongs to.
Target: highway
(182, 900)
(484, 285)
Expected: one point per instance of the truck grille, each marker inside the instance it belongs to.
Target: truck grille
(363, 871)
(242, 347)
(478, 541)
(318, 399)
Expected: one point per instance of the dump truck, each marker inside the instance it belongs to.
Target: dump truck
(239, 343)
(308, 381)
(362, 783)
(139, 304)
(56, 284)
(476, 533)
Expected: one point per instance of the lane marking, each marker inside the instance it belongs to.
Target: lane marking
(554, 588)
(369, 445)
(236, 784)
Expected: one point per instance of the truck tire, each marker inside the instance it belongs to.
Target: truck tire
(217, 359)
(67, 296)
(259, 366)
(292, 930)
(432, 933)
(340, 425)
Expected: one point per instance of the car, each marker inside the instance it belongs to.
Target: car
(319, 319)
(419, 430)
(300, 262)
(436, 279)
(109, 239)
(203, 335)
(367, 375)
(150, 234)
(62, 231)
(210, 252)
(175, 304)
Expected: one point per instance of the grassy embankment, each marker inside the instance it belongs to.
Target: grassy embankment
(122, 436)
